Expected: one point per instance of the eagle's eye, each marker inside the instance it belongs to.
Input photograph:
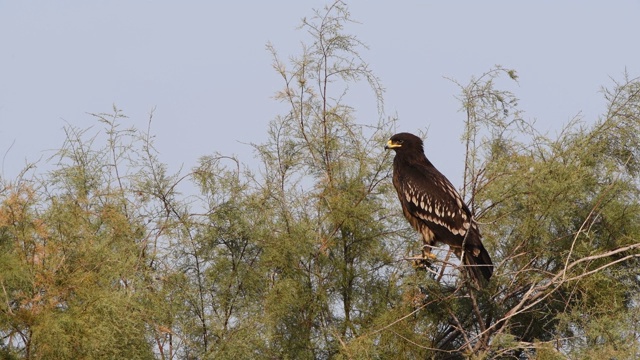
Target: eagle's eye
(399, 141)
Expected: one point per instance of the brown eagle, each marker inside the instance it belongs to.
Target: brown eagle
(434, 208)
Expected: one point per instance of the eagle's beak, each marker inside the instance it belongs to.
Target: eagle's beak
(391, 145)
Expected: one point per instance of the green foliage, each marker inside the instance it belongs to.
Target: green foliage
(73, 259)
(303, 257)
(562, 215)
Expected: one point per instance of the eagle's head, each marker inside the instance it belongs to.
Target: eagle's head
(404, 143)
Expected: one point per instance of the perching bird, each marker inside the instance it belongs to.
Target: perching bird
(434, 208)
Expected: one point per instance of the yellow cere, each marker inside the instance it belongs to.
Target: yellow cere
(391, 145)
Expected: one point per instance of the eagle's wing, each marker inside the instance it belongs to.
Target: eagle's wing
(429, 196)
(436, 210)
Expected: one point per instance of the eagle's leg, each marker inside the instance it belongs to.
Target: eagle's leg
(423, 261)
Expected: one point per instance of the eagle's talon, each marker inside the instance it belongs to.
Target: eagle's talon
(428, 255)
(420, 262)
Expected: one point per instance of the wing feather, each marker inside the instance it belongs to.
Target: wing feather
(435, 202)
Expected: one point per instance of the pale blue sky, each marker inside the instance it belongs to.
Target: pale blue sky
(204, 67)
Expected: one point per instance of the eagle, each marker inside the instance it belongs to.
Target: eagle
(434, 208)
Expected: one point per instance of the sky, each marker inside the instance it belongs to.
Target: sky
(203, 67)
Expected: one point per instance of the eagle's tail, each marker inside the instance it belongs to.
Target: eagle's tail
(478, 264)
